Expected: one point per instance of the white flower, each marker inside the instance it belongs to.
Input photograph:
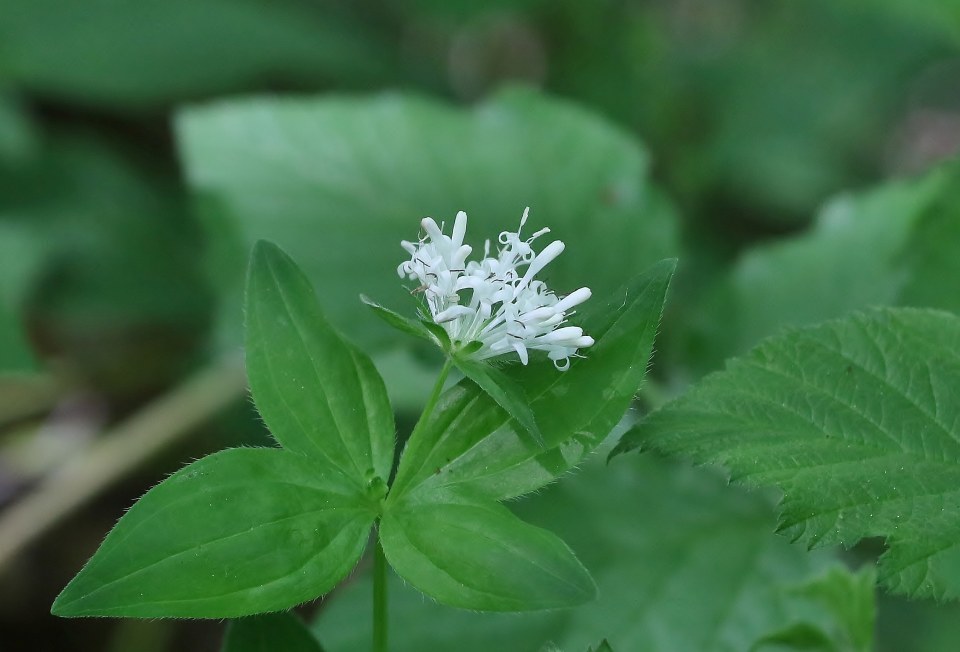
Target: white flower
(490, 301)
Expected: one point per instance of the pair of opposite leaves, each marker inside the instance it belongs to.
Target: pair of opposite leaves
(254, 530)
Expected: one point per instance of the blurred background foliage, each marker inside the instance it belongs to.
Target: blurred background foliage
(792, 155)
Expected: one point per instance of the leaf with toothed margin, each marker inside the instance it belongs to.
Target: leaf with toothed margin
(857, 421)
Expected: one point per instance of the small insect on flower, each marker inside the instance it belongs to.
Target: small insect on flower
(491, 307)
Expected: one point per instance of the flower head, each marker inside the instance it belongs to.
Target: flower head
(496, 301)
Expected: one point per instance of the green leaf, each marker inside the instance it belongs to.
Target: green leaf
(603, 647)
(22, 253)
(278, 632)
(852, 258)
(857, 421)
(478, 555)
(683, 563)
(470, 441)
(318, 395)
(848, 601)
(931, 256)
(239, 532)
(507, 393)
(799, 636)
(120, 54)
(396, 320)
(306, 172)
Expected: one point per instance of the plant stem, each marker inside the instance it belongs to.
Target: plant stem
(379, 600)
(434, 396)
(379, 559)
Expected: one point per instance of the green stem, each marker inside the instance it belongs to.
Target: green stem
(379, 560)
(434, 397)
(379, 600)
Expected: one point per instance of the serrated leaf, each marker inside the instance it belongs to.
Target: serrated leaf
(306, 172)
(319, 395)
(239, 532)
(470, 441)
(857, 421)
(478, 555)
(279, 632)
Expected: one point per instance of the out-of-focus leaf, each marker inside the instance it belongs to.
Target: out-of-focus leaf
(848, 599)
(17, 131)
(478, 555)
(931, 255)
(121, 278)
(22, 253)
(339, 182)
(136, 53)
(682, 562)
(857, 421)
(318, 395)
(278, 632)
(853, 258)
(470, 441)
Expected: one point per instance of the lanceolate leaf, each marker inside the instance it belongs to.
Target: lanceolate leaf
(319, 395)
(470, 441)
(239, 532)
(478, 555)
(279, 632)
(857, 421)
(398, 321)
(507, 393)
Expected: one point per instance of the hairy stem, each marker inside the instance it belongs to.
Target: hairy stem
(379, 600)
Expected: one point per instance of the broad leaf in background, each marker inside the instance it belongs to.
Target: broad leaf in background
(931, 255)
(682, 563)
(849, 599)
(278, 632)
(22, 253)
(855, 256)
(239, 532)
(478, 555)
(471, 443)
(603, 647)
(120, 299)
(18, 137)
(318, 395)
(856, 421)
(118, 54)
(339, 182)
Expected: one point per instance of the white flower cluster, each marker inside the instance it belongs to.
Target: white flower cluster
(490, 301)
